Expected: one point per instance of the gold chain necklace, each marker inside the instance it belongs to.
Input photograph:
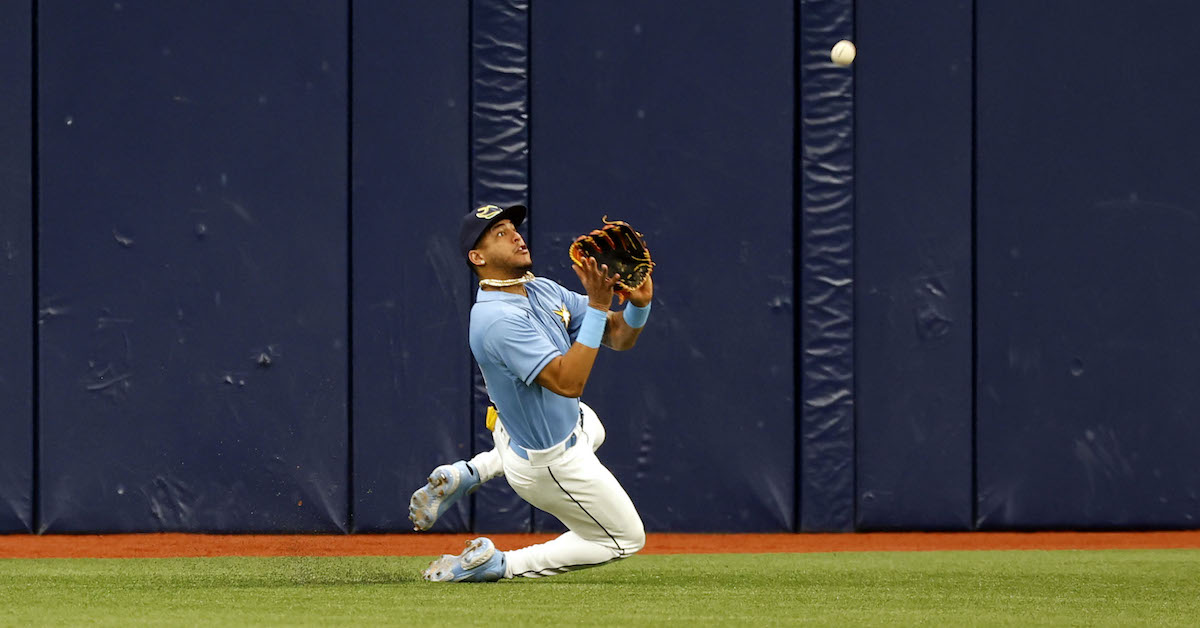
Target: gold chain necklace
(504, 283)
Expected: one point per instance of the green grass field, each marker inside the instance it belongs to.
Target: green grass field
(1018, 588)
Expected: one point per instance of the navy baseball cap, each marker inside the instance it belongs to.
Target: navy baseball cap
(481, 219)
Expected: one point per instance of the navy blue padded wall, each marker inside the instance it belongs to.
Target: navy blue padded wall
(913, 326)
(411, 297)
(16, 269)
(677, 117)
(193, 266)
(826, 270)
(499, 176)
(1088, 220)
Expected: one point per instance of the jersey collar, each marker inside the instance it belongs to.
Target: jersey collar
(482, 296)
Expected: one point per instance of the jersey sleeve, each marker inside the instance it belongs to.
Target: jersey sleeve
(578, 305)
(515, 342)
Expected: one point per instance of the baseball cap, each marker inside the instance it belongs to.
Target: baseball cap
(481, 219)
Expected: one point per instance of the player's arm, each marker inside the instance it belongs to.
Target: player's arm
(568, 373)
(619, 335)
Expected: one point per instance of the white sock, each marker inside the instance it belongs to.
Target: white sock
(488, 465)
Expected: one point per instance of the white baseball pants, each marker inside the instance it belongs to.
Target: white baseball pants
(574, 486)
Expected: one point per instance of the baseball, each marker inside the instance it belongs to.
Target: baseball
(843, 52)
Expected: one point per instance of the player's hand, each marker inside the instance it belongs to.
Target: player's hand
(597, 283)
(644, 293)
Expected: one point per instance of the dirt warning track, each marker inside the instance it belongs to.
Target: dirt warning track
(168, 545)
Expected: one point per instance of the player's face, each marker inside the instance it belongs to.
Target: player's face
(503, 247)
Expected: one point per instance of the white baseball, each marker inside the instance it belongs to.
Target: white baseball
(843, 52)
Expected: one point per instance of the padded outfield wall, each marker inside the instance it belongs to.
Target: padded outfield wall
(945, 288)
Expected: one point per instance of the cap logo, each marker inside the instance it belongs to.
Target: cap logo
(487, 212)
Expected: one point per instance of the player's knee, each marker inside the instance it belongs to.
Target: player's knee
(597, 436)
(592, 426)
(637, 543)
(634, 539)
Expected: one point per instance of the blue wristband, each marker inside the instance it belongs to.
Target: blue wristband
(636, 316)
(592, 330)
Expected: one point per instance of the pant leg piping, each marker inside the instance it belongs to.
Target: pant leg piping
(554, 571)
(585, 511)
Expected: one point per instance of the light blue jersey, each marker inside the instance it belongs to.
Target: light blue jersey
(513, 338)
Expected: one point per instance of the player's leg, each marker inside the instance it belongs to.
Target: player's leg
(591, 425)
(488, 465)
(449, 483)
(582, 493)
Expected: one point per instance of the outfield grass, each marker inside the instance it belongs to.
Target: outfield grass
(1112, 587)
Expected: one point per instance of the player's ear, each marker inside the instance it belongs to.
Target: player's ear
(475, 257)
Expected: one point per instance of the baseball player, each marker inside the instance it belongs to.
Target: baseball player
(535, 342)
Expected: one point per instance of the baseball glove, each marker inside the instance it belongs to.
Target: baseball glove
(620, 247)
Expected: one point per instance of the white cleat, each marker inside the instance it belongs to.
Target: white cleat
(479, 562)
(447, 484)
